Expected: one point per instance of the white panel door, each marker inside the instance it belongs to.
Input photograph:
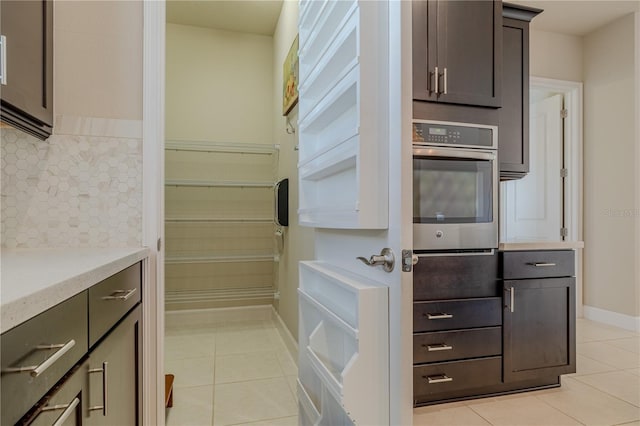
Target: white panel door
(355, 333)
(533, 206)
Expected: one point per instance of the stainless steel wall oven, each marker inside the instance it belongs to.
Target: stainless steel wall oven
(455, 186)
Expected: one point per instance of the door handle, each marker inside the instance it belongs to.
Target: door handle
(541, 264)
(102, 370)
(438, 347)
(386, 259)
(436, 77)
(36, 370)
(3, 60)
(440, 378)
(121, 294)
(68, 410)
(444, 78)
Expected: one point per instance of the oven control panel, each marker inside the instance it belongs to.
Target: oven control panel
(452, 134)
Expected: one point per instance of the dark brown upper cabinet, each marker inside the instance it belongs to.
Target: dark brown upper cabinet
(457, 52)
(26, 92)
(513, 134)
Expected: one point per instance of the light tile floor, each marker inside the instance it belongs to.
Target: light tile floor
(229, 371)
(241, 373)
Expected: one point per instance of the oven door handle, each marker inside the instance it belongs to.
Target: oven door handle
(429, 151)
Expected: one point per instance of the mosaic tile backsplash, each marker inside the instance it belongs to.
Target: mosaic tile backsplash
(70, 191)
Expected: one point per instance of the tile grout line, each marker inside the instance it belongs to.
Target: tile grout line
(604, 391)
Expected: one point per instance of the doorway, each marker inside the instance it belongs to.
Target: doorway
(547, 204)
(224, 341)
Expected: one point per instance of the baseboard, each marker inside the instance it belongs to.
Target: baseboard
(612, 318)
(288, 339)
(210, 317)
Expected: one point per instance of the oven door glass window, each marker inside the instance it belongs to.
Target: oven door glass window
(452, 190)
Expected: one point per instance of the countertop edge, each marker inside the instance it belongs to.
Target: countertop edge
(540, 245)
(27, 307)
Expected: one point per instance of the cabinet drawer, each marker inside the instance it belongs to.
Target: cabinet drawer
(456, 375)
(64, 400)
(111, 299)
(453, 314)
(456, 277)
(537, 264)
(53, 342)
(460, 344)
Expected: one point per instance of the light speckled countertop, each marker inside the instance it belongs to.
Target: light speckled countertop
(34, 280)
(514, 245)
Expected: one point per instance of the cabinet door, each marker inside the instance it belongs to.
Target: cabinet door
(424, 37)
(469, 46)
(27, 95)
(513, 144)
(539, 328)
(113, 395)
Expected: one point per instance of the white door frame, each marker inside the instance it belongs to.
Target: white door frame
(573, 160)
(153, 410)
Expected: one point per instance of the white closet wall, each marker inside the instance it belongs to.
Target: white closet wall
(219, 224)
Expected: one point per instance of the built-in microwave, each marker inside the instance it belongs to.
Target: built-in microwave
(455, 186)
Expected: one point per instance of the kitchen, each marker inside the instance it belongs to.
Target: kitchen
(124, 101)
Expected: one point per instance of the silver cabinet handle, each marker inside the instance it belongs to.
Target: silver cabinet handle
(36, 370)
(386, 259)
(121, 294)
(102, 370)
(440, 378)
(444, 77)
(541, 264)
(3, 60)
(438, 347)
(437, 78)
(512, 292)
(438, 316)
(68, 410)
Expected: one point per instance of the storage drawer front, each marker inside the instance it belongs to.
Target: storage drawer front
(67, 394)
(461, 344)
(57, 326)
(456, 277)
(538, 264)
(453, 314)
(456, 375)
(111, 299)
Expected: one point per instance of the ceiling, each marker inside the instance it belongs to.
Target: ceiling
(247, 16)
(577, 17)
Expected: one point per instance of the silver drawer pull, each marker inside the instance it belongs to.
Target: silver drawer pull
(541, 264)
(438, 316)
(68, 410)
(102, 370)
(438, 347)
(36, 370)
(440, 378)
(121, 294)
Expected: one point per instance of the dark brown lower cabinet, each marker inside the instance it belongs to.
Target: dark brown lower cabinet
(539, 328)
(114, 373)
(467, 347)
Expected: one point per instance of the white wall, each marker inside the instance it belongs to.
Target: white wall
(611, 280)
(83, 186)
(298, 241)
(219, 85)
(555, 55)
(98, 59)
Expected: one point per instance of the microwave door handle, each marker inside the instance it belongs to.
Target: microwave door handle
(454, 153)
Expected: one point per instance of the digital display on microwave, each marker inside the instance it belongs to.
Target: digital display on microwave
(452, 191)
(437, 131)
